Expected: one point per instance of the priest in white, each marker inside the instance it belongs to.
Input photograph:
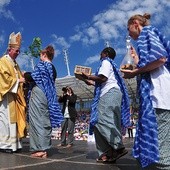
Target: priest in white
(12, 102)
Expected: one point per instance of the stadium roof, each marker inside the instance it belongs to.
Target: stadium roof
(80, 88)
(85, 92)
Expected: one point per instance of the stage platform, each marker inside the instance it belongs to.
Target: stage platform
(82, 156)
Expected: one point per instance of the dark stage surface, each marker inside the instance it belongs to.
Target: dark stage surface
(82, 156)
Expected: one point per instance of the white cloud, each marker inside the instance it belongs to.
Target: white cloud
(75, 37)
(60, 41)
(91, 32)
(3, 11)
(24, 61)
(110, 23)
(57, 52)
(92, 59)
(167, 30)
(2, 39)
(4, 2)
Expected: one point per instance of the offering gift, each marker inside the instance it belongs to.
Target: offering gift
(127, 62)
(79, 69)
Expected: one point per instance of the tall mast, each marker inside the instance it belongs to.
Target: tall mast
(65, 52)
(107, 44)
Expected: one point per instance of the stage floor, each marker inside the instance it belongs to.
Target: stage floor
(82, 156)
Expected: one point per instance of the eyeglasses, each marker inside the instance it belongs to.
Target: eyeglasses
(16, 50)
(130, 26)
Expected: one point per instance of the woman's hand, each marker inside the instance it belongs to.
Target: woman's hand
(22, 80)
(147, 68)
(127, 74)
(89, 82)
(134, 55)
(84, 75)
(23, 73)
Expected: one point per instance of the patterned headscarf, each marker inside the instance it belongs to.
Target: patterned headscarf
(125, 108)
(151, 46)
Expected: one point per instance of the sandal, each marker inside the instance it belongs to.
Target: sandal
(101, 159)
(118, 154)
(39, 155)
(105, 159)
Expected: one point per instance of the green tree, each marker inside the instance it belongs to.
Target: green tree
(34, 49)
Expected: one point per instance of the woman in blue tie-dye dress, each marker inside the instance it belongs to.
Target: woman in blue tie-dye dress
(152, 58)
(44, 109)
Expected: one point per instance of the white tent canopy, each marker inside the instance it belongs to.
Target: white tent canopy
(85, 92)
(80, 88)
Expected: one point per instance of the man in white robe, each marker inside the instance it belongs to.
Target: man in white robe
(12, 102)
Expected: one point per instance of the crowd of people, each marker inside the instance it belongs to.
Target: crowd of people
(110, 109)
(80, 130)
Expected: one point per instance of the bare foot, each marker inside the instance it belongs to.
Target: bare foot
(39, 155)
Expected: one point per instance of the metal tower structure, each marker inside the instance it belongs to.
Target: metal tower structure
(107, 44)
(65, 52)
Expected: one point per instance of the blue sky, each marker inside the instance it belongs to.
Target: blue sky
(81, 26)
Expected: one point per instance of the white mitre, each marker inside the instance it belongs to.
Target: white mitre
(15, 40)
